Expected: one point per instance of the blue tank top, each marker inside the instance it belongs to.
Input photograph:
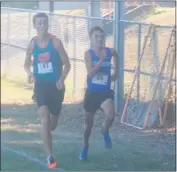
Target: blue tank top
(47, 65)
(101, 81)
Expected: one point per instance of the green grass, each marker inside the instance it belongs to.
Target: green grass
(159, 10)
(12, 83)
(13, 162)
(28, 88)
(8, 83)
(20, 131)
(123, 157)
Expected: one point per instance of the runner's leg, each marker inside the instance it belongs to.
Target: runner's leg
(42, 94)
(54, 101)
(90, 105)
(108, 107)
(45, 129)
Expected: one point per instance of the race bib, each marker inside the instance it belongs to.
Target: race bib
(100, 79)
(45, 67)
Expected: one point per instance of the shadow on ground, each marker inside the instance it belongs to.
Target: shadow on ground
(132, 149)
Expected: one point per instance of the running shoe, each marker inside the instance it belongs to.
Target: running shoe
(51, 162)
(107, 139)
(83, 155)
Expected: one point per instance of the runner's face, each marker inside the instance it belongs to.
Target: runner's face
(98, 39)
(41, 25)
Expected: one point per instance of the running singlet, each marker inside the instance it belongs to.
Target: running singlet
(47, 65)
(101, 81)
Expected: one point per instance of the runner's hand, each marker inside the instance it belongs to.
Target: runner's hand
(60, 84)
(103, 55)
(113, 77)
(31, 78)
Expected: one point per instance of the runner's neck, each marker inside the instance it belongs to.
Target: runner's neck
(43, 38)
(98, 50)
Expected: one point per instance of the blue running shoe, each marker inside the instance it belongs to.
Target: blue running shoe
(107, 139)
(83, 155)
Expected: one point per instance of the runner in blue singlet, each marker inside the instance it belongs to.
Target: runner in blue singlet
(98, 92)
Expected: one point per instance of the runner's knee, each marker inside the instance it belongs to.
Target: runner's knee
(108, 108)
(53, 122)
(53, 125)
(111, 113)
(111, 116)
(88, 121)
(44, 115)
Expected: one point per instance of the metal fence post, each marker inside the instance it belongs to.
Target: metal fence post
(8, 28)
(74, 59)
(51, 12)
(29, 27)
(139, 52)
(51, 6)
(156, 59)
(119, 46)
(89, 15)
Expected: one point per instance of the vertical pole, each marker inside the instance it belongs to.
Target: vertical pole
(29, 26)
(95, 12)
(139, 51)
(74, 59)
(51, 10)
(51, 6)
(89, 14)
(8, 28)
(119, 46)
(7, 69)
(156, 63)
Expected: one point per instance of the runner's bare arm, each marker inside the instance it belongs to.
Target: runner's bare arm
(28, 61)
(88, 63)
(64, 57)
(115, 64)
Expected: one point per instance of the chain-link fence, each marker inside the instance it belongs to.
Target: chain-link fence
(150, 66)
(17, 30)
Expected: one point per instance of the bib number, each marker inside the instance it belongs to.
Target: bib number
(45, 67)
(100, 79)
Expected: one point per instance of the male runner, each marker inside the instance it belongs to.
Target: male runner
(50, 68)
(98, 93)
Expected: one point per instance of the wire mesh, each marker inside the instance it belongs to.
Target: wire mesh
(19, 24)
(73, 32)
(17, 29)
(4, 26)
(150, 66)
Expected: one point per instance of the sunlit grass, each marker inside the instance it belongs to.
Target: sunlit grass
(19, 128)
(160, 10)
(22, 92)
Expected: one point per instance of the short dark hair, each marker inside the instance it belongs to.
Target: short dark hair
(40, 15)
(95, 28)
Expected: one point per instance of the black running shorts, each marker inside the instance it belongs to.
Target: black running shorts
(93, 100)
(48, 95)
